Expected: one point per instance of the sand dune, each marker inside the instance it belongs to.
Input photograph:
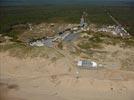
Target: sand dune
(40, 79)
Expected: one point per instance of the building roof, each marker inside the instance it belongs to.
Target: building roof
(86, 64)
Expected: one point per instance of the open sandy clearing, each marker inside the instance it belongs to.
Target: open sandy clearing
(40, 79)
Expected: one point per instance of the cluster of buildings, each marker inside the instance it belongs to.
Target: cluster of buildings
(115, 30)
(68, 34)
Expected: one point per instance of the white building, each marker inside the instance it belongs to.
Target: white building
(86, 64)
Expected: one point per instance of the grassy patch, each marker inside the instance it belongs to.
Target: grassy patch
(88, 45)
(128, 63)
(97, 39)
(12, 34)
(16, 49)
(129, 42)
(22, 51)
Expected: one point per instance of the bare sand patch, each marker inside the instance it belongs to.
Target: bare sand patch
(39, 79)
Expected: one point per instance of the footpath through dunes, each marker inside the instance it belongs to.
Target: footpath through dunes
(38, 78)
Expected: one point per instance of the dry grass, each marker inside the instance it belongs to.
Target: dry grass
(128, 63)
(98, 39)
(21, 50)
